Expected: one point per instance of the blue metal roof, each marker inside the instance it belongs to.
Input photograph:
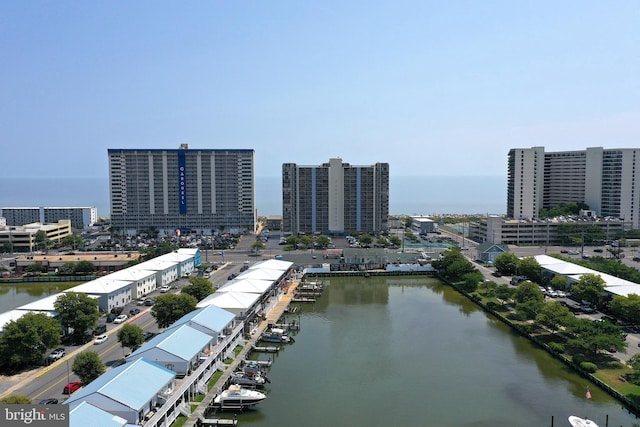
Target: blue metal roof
(211, 317)
(182, 341)
(132, 384)
(87, 415)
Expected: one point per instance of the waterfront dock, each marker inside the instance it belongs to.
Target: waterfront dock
(272, 317)
(266, 349)
(217, 422)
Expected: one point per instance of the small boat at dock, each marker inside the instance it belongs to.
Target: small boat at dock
(581, 422)
(236, 397)
(276, 335)
(248, 379)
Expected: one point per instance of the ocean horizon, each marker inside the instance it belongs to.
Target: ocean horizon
(423, 195)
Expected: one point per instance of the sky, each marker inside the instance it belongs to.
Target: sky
(434, 88)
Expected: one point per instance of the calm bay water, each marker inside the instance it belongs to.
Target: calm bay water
(422, 195)
(413, 352)
(14, 295)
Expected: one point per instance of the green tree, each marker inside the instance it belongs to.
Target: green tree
(15, 399)
(25, 341)
(591, 337)
(77, 312)
(366, 240)
(589, 288)
(198, 287)
(453, 265)
(529, 309)
(161, 248)
(35, 268)
(488, 288)
(471, 280)
(381, 242)
(506, 263)
(323, 241)
(627, 307)
(634, 362)
(170, 307)
(131, 335)
(40, 239)
(292, 243)
(554, 315)
(7, 247)
(72, 241)
(307, 241)
(88, 366)
(559, 282)
(85, 267)
(395, 240)
(504, 293)
(67, 269)
(257, 246)
(530, 268)
(528, 291)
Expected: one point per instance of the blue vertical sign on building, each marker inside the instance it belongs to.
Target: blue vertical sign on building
(182, 181)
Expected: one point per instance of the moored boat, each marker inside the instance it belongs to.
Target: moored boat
(236, 397)
(248, 379)
(276, 335)
(581, 422)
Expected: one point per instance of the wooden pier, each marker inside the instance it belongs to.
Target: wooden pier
(266, 349)
(266, 363)
(286, 326)
(217, 422)
(272, 317)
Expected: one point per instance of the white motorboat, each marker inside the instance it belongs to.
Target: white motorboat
(276, 335)
(236, 397)
(581, 422)
(248, 379)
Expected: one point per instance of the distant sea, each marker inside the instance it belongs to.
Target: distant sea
(426, 195)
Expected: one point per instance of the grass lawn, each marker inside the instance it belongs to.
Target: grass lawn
(179, 422)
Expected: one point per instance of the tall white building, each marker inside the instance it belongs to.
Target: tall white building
(80, 217)
(195, 191)
(335, 198)
(607, 180)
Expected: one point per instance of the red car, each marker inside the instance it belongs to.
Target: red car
(71, 387)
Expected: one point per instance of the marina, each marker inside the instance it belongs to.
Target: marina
(502, 378)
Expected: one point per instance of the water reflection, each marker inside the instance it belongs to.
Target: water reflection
(18, 294)
(376, 351)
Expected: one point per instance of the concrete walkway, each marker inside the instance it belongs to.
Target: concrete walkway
(274, 314)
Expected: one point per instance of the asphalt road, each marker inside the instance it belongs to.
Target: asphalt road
(48, 382)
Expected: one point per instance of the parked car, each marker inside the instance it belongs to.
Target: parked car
(134, 311)
(50, 401)
(100, 339)
(149, 302)
(56, 354)
(71, 387)
(117, 310)
(111, 318)
(121, 319)
(100, 329)
(561, 294)
(165, 288)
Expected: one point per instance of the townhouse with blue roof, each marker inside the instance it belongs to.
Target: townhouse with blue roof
(130, 391)
(211, 320)
(179, 349)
